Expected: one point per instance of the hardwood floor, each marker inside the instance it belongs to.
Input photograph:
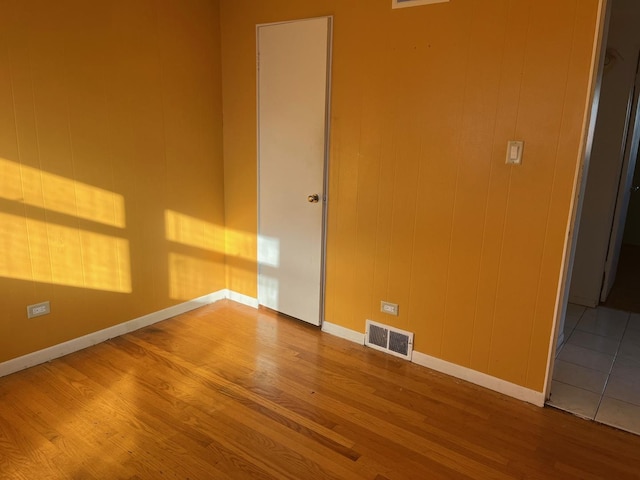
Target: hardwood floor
(230, 392)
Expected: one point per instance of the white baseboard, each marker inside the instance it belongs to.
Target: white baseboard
(243, 299)
(464, 373)
(347, 334)
(479, 378)
(56, 351)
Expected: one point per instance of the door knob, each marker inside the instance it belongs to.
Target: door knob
(315, 198)
(635, 188)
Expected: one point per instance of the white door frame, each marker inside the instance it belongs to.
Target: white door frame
(579, 187)
(327, 141)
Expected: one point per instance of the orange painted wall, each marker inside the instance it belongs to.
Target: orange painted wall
(111, 173)
(423, 211)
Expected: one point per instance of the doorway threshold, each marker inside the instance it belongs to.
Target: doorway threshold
(597, 370)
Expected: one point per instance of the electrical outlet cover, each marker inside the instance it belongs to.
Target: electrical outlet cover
(389, 308)
(38, 309)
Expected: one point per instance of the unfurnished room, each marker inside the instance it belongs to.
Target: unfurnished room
(320, 239)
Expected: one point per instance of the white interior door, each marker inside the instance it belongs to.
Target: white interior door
(293, 66)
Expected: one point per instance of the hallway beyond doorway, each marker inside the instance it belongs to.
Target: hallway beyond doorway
(597, 369)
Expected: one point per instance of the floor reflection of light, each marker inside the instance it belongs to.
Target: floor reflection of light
(50, 253)
(35, 187)
(267, 330)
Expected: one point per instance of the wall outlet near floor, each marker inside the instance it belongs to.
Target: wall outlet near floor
(38, 309)
(389, 308)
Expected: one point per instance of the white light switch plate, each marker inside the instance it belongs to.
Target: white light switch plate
(514, 152)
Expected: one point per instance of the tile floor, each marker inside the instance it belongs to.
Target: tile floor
(597, 370)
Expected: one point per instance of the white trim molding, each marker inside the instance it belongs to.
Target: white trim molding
(479, 378)
(80, 343)
(342, 332)
(240, 298)
(448, 368)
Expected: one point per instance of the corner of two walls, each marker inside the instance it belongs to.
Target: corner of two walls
(111, 172)
(423, 211)
(124, 119)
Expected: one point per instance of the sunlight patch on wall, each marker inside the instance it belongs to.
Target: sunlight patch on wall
(268, 251)
(240, 244)
(21, 183)
(193, 232)
(190, 277)
(42, 252)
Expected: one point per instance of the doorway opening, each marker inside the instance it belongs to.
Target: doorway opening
(597, 361)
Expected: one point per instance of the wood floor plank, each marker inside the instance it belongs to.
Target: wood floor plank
(226, 392)
(258, 400)
(285, 426)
